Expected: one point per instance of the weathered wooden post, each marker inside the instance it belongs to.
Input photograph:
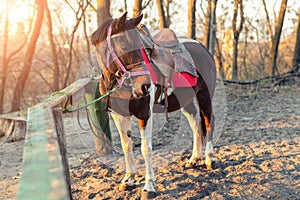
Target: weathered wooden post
(43, 175)
(59, 126)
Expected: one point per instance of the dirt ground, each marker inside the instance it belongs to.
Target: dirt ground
(257, 155)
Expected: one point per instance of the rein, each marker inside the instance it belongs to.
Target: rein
(111, 52)
(67, 110)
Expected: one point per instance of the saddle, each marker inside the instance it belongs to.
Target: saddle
(171, 62)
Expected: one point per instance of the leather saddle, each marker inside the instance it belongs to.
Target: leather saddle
(169, 58)
(168, 55)
(166, 38)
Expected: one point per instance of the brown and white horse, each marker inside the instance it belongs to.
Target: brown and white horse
(119, 54)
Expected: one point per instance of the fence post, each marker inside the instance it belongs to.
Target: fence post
(43, 173)
(59, 125)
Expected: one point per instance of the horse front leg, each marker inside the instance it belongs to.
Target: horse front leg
(146, 148)
(123, 125)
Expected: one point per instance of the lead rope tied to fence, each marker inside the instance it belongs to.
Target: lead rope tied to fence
(67, 110)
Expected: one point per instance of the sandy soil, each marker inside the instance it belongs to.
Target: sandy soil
(257, 155)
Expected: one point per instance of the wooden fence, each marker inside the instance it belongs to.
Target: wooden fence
(45, 173)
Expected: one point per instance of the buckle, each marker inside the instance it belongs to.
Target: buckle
(110, 49)
(127, 75)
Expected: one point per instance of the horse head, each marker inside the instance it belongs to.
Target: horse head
(118, 46)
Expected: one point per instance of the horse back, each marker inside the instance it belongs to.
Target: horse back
(204, 63)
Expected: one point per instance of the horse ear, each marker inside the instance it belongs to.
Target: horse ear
(121, 21)
(137, 19)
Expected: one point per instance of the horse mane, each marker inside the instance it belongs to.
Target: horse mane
(101, 33)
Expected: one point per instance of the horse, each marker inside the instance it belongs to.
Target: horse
(120, 54)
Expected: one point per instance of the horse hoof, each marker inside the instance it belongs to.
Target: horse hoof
(210, 166)
(147, 195)
(191, 164)
(125, 187)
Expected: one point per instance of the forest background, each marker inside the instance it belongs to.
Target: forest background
(45, 45)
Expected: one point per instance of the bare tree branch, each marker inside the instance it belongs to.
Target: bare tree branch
(68, 3)
(146, 4)
(87, 40)
(275, 80)
(268, 19)
(79, 16)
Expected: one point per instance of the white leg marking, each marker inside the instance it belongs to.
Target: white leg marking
(208, 154)
(197, 138)
(146, 148)
(123, 125)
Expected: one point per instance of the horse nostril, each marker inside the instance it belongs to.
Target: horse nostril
(145, 88)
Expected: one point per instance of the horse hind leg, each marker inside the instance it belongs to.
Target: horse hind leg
(205, 106)
(123, 125)
(209, 160)
(190, 112)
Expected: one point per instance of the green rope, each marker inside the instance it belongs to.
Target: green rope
(66, 110)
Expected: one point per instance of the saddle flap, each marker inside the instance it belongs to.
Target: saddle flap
(162, 58)
(183, 61)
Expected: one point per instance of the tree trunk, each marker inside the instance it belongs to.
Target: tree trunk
(192, 19)
(277, 34)
(219, 58)
(97, 112)
(238, 5)
(161, 14)
(137, 9)
(4, 68)
(167, 7)
(210, 26)
(234, 57)
(207, 24)
(53, 50)
(103, 11)
(296, 57)
(245, 53)
(213, 27)
(275, 37)
(21, 80)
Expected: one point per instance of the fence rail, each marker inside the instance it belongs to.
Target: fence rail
(45, 167)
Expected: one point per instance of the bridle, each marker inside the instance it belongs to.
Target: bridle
(126, 73)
